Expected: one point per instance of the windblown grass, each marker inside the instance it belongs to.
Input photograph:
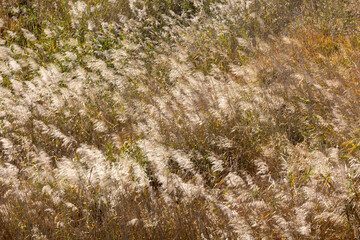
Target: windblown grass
(182, 119)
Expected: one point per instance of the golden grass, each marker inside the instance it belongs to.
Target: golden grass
(179, 120)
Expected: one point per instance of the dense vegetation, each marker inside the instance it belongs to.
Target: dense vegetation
(179, 119)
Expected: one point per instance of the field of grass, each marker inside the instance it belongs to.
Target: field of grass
(179, 119)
